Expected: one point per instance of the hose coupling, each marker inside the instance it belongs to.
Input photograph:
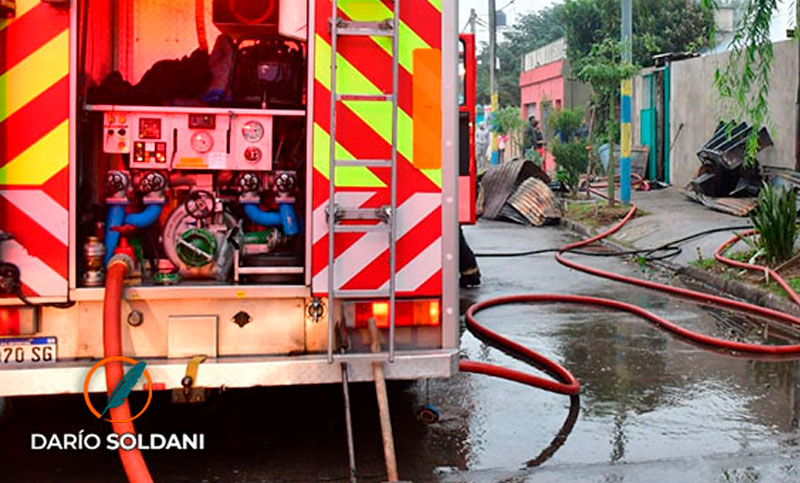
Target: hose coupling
(122, 258)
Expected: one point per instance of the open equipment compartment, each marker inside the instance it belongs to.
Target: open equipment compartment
(192, 141)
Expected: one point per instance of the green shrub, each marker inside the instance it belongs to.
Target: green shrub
(775, 220)
(509, 121)
(566, 122)
(572, 160)
(531, 154)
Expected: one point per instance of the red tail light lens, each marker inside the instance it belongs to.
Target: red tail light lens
(409, 313)
(19, 320)
(9, 321)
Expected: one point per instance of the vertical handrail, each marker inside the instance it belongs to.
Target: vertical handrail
(393, 219)
(332, 181)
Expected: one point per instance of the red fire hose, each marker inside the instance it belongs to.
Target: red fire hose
(132, 460)
(566, 383)
(749, 266)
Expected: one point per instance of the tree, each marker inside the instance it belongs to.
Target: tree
(603, 68)
(510, 122)
(568, 150)
(744, 82)
(531, 31)
(659, 26)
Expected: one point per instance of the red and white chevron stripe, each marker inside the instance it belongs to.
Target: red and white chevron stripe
(34, 145)
(364, 263)
(362, 259)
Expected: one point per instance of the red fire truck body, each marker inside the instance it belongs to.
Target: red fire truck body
(283, 175)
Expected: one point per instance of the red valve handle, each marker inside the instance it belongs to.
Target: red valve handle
(124, 248)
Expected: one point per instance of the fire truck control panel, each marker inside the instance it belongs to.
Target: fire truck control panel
(190, 140)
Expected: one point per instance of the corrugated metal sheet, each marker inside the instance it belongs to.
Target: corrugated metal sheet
(731, 206)
(533, 203)
(782, 176)
(501, 181)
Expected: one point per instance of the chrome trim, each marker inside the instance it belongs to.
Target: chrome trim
(73, 133)
(311, 32)
(269, 270)
(450, 303)
(195, 110)
(68, 377)
(197, 291)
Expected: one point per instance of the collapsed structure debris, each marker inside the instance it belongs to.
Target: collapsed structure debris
(519, 191)
(724, 182)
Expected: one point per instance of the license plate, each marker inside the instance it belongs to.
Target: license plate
(28, 350)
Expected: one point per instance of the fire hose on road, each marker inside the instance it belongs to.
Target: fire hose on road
(562, 382)
(565, 382)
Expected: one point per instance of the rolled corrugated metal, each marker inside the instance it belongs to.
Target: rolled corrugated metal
(535, 201)
(501, 181)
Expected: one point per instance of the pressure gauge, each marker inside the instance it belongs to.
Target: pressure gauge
(202, 142)
(253, 131)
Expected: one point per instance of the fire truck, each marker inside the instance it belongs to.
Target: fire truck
(276, 176)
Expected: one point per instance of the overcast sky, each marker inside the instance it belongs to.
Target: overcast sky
(514, 8)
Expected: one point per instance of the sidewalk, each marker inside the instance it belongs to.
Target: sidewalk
(671, 215)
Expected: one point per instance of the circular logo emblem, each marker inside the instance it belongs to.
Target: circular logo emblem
(123, 389)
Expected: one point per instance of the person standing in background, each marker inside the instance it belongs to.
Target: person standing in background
(482, 137)
(502, 139)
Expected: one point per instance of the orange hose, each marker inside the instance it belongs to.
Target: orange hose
(132, 460)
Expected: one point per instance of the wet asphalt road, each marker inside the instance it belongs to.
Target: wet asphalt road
(652, 408)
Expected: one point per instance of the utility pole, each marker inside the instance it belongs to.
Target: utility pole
(472, 17)
(493, 71)
(626, 90)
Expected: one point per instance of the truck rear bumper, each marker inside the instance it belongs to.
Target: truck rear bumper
(68, 377)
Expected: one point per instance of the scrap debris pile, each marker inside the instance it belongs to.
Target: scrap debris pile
(518, 191)
(723, 182)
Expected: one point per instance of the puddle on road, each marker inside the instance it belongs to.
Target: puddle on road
(646, 395)
(652, 407)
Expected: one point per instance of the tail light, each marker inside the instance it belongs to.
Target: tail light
(19, 320)
(9, 322)
(409, 313)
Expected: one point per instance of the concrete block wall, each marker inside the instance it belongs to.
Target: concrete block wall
(694, 110)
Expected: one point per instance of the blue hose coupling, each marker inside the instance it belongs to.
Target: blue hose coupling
(285, 217)
(118, 217)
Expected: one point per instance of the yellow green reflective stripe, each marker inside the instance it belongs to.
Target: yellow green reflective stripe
(437, 4)
(349, 79)
(376, 10)
(435, 175)
(377, 115)
(346, 176)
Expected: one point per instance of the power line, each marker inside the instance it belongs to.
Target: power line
(508, 5)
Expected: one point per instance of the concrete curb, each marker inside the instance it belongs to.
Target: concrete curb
(734, 288)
